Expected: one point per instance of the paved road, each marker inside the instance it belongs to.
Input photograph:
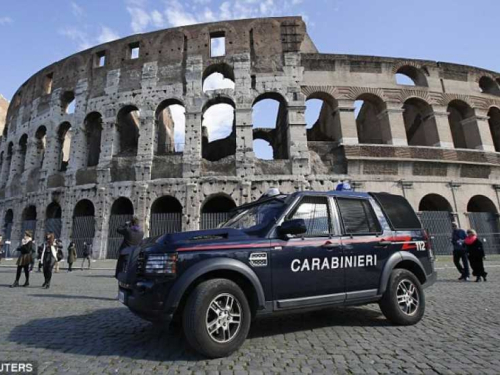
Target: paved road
(77, 326)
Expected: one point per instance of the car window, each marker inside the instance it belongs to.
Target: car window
(316, 215)
(358, 216)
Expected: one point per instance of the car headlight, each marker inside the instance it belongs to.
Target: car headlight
(161, 264)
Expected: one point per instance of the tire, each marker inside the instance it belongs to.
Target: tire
(406, 286)
(209, 303)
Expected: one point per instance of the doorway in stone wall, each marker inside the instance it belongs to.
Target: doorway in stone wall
(122, 211)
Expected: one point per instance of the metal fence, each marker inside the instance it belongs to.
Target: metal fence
(7, 234)
(83, 231)
(161, 224)
(53, 226)
(115, 239)
(213, 219)
(438, 226)
(488, 230)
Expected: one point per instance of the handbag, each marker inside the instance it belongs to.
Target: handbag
(60, 255)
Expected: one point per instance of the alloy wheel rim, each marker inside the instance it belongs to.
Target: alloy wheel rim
(223, 319)
(407, 297)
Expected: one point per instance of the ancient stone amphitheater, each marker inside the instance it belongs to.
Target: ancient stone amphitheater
(89, 140)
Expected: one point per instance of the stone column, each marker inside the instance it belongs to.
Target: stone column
(245, 156)
(297, 140)
(393, 125)
(145, 150)
(52, 150)
(191, 212)
(142, 207)
(67, 207)
(483, 132)
(102, 209)
(15, 163)
(445, 138)
(348, 129)
(191, 161)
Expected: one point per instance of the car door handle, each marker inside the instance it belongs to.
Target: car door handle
(331, 245)
(384, 243)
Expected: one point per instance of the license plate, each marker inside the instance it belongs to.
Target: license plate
(121, 296)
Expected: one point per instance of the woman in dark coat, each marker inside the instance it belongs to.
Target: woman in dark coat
(25, 259)
(71, 256)
(475, 252)
(49, 259)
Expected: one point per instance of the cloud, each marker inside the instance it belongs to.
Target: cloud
(219, 121)
(78, 36)
(6, 20)
(77, 10)
(107, 35)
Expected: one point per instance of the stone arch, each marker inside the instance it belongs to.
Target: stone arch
(481, 203)
(277, 131)
(28, 220)
(40, 145)
(166, 216)
(488, 85)
(83, 226)
(122, 206)
(127, 123)
(63, 145)
(215, 210)
(218, 142)
(8, 161)
(169, 131)
(218, 76)
(23, 150)
(434, 202)
(494, 122)
(420, 123)
(413, 73)
(122, 211)
(93, 132)
(68, 102)
(372, 122)
(461, 118)
(327, 125)
(53, 215)
(8, 223)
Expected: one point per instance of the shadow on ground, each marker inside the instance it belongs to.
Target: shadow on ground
(116, 331)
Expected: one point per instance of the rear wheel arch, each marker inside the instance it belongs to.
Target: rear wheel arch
(401, 260)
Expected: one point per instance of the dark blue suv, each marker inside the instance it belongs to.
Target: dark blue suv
(282, 253)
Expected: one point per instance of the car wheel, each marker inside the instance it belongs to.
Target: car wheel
(216, 318)
(403, 302)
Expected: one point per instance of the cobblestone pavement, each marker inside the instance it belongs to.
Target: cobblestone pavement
(77, 326)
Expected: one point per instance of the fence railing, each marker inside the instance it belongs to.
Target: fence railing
(213, 219)
(83, 231)
(163, 223)
(114, 238)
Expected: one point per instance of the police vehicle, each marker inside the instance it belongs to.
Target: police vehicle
(281, 253)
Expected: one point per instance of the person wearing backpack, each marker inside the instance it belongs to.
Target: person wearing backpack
(87, 253)
(49, 259)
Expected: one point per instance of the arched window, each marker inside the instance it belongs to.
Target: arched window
(218, 77)
(28, 221)
(40, 145)
(410, 76)
(322, 118)
(372, 125)
(436, 217)
(170, 127)
(83, 229)
(218, 129)
(494, 121)
(166, 216)
(23, 149)
(68, 102)
(483, 217)
(434, 202)
(8, 162)
(488, 85)
(270, 115)
(64, 145)
(128, 131)
(8, 222)
(420, 124)
(53, 222)
(93, 130)
(460, 117)
(122, 211)
(480, 203)
(216, 210)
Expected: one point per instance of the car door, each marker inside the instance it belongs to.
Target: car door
(364, 248)
(305, 268)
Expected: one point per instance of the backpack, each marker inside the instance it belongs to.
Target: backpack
(60, 255)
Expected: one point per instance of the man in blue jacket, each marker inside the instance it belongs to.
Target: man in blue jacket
(459, 253)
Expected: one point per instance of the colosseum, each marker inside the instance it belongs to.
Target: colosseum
(89, 140)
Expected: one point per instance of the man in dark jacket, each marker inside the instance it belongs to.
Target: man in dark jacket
(459, 252)
(132, 233)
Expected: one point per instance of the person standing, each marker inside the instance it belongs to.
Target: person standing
(25, 258)
(39, 257)
(49, 259)
(60, 254)
(132, 236)
(87, 253)
(71, 256)
(459, 252)
(2, 252)
(476, 255)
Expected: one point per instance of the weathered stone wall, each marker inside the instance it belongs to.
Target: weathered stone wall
(266, 58)
(4, 104)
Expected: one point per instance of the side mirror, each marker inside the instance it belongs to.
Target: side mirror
(293, 227)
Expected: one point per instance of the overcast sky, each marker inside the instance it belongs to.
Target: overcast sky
(36, 33)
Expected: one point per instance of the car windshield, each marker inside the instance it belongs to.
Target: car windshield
(256, 217)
